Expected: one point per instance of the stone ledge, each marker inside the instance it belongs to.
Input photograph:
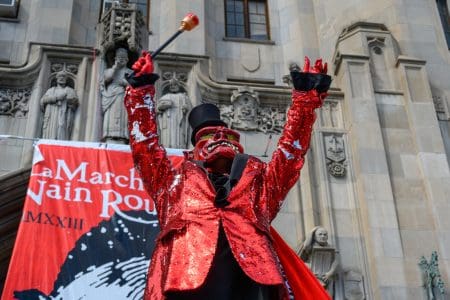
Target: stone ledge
(250, 41)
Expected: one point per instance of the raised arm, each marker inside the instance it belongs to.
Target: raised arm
(310, 87)
(150, 158)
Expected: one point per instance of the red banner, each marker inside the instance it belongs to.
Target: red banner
(88, 227)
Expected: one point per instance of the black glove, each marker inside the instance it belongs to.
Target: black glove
(142, 80)
(311, 81)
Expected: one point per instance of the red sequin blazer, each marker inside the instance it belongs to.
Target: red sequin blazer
(184, 199)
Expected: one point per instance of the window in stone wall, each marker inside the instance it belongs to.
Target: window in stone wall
(247, 19)
(9, 9)
(445, 18)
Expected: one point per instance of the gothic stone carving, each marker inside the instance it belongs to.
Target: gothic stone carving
(245, 113)
(245, 105)
(268, 119)
(320, 256)
(112, 89)
(68, 67)
(271, 120)
(173, 82)
(14, 102)
(59, 104)
(122, 24)
(335, 155)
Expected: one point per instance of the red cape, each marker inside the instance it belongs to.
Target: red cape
(302, 281)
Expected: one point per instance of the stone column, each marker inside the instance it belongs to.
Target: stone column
(371, 175)
(372, 178)
(430, 230)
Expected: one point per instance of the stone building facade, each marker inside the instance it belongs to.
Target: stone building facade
(377, 175)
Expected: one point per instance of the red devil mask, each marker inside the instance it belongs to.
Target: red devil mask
(215, 142)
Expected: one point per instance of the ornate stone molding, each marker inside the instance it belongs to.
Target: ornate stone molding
(245, 103)
(68, 67)
(14, 102)
(173, 82)
(245, 113)
(122, 24)
(26, 74)
(71, 69)
(335, 155)
(267, 120)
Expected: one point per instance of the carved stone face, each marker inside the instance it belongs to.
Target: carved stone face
(321, 236)
(61, 78)
(215, 142)
(121, 58)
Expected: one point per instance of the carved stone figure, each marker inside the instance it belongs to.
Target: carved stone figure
(320, 257)
(172, 109)
(59, 104)
(113, 91)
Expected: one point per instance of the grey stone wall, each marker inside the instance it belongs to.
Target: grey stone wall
(377, 175)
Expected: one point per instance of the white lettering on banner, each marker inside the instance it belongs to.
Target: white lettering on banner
(63, 166)
(80, 174)
(53, 191)
(112, 199)
(37, 197)
(60, 189)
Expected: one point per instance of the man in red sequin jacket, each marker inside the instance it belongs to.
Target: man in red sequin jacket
(215, 241)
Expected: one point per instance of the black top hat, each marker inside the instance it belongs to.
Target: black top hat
(203, 115)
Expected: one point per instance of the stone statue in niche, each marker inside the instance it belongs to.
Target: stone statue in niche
(59, 104)
(113, 91)
(172, 109)
(245, 107)
(320, 256)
